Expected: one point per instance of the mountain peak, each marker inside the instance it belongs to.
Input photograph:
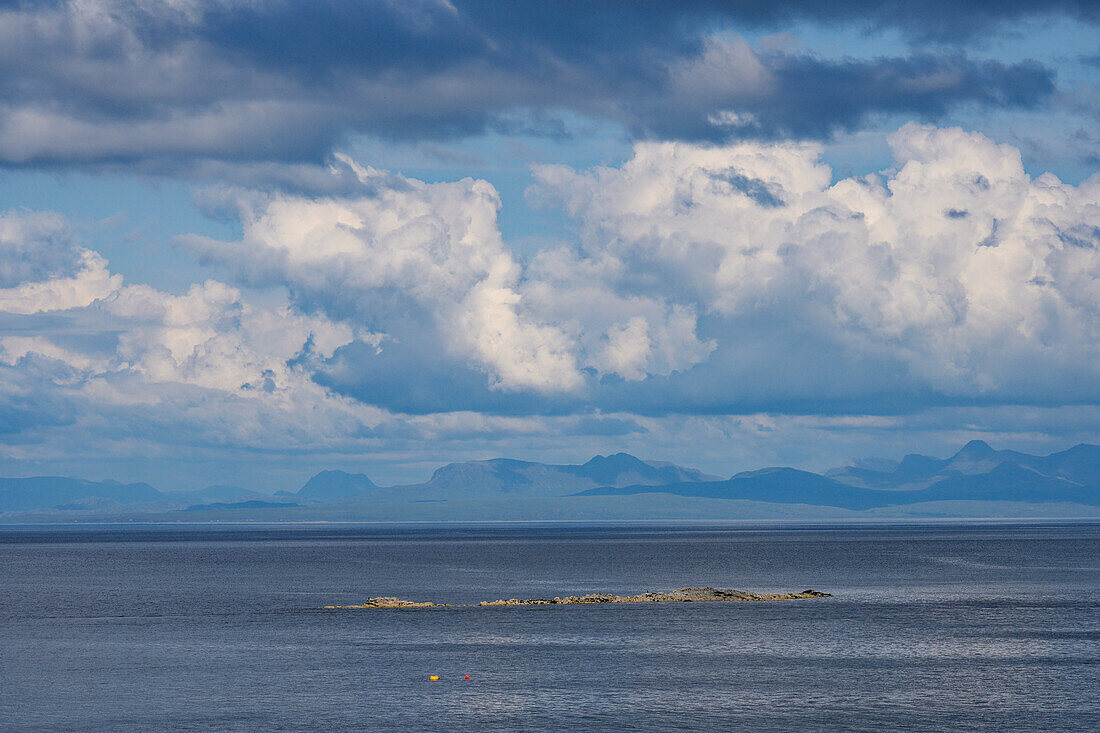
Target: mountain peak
(336, 485)
(976, 450)
(619, 460)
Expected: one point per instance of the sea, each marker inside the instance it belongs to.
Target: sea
(938, 627)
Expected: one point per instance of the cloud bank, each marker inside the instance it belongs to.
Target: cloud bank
(82, 350)
(166, 84)
(425, 263)
(712, 291)
(705, 279)
(955, 274)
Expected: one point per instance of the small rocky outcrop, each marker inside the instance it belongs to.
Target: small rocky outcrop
(681, 595)
(389, 603)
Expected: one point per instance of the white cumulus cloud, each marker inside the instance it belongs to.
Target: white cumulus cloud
(79, 344)
(978, 278)
(405, 251)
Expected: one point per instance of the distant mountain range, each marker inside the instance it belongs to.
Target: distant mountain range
(55, 492)
(976, 481)
(975, 473)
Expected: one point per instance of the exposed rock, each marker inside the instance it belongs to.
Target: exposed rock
(682, 595)
(390, 603)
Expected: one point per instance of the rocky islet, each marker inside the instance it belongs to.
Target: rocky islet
(681, 595)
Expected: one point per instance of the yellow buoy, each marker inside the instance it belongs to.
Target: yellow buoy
(434, 678)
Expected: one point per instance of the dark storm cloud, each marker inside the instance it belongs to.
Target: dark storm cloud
(423, 32)
(114, 82)
(821, 97)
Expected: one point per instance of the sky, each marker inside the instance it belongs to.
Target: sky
(242, 242)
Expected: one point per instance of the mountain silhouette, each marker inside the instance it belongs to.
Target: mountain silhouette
(44, 492)
(976, 473)
(336, 485)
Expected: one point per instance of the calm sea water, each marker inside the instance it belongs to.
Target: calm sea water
(986, 627)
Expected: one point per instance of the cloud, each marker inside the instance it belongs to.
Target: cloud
(715, 294)
(90, 283)
(955, 275)
(82, 350)
(620, 330)
(706, 279)
(110, 82)
(730, 90)
(414, 254)
(35, 246)
(42, 268)
(426, 264)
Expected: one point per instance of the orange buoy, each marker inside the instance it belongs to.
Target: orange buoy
(434, 678)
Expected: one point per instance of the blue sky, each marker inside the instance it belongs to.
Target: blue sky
(243, 242)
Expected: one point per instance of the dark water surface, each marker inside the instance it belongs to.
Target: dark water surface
(936, 627)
